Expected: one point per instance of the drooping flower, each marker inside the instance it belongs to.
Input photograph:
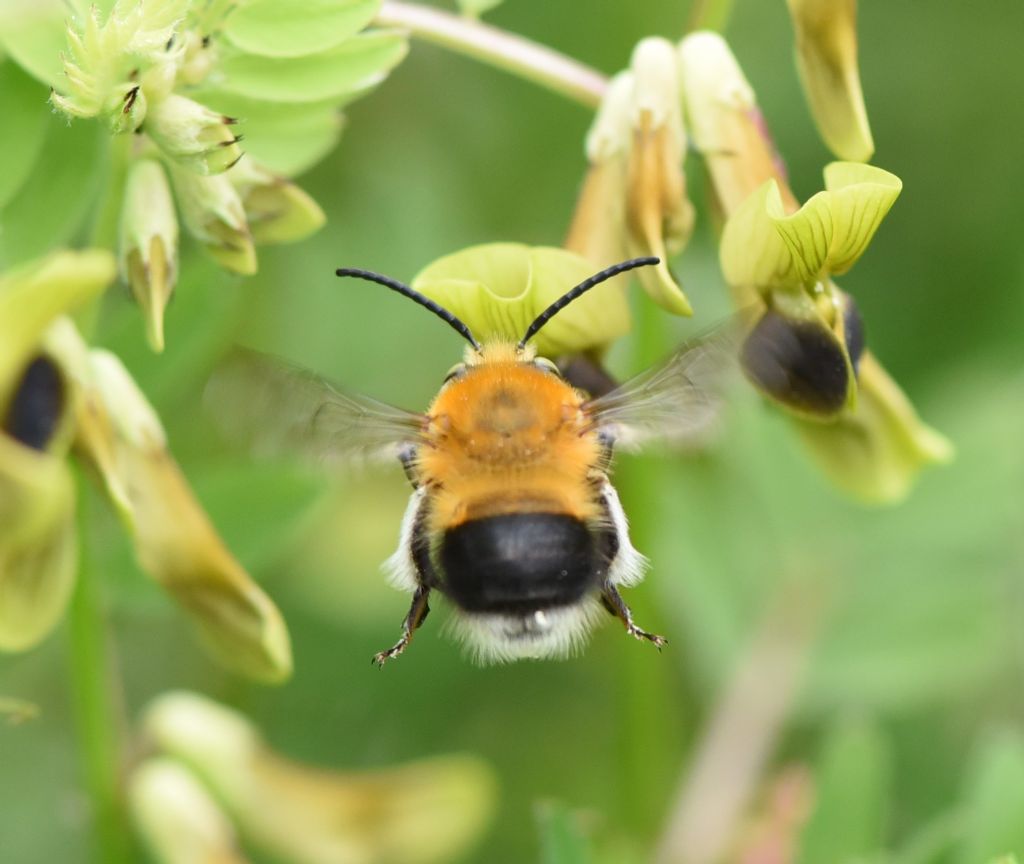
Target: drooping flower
(428, 811)
(58, 397)
(633, 201)
(805, 348)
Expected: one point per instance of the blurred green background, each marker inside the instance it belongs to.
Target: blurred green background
(920, 643)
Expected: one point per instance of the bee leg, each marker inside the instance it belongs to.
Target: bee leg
(407, 456)
(612, 600)
(417, 614)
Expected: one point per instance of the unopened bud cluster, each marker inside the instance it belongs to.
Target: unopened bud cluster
(174, 74)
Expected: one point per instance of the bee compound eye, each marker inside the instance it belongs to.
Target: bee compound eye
(457, 371)
(547, 366)
(800, 364)
(37, 406)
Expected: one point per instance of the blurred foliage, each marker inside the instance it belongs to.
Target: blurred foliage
(910, 714)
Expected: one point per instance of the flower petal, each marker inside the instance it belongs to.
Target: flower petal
(498, 289)
(763, 247)
(725, 123)
(120, 434)
(422, 812)
(826, 54)
(33, 295)
(277, 210)
(38, 548)
(876, 451)
(178, 818)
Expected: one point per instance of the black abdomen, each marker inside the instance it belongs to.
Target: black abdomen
(518, 562)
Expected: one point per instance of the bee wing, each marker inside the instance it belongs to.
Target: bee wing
(677, 401)
(275, 407)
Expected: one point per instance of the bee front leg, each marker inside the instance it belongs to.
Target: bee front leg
(612, 600)
(417, 615)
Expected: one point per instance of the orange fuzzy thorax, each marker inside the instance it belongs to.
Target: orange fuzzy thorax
(507, 437)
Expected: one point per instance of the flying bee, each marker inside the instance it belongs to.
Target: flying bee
(513, 517)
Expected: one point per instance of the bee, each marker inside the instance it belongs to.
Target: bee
(512, 518)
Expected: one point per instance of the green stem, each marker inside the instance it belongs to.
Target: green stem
(499, 48)
(96, 726)
(650, 725)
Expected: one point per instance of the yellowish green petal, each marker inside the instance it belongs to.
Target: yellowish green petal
(178, 818)
(33, 295)
(876, 451)
(826, 53)
(422, 812)
(38, 549)
(763, 247)
(498, 289)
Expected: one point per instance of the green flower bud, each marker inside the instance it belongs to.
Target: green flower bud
(277, 210)
(193, 135)
(102, 56)
(826, 53)
(213, 213)
(497, 289)
(149, 244)
(422, 812)
(633, 201)
(179, 820)
(126, 109)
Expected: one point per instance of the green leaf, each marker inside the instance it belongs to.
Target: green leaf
(764, 247)
(285, 137)
(852, 783)
(995, 800)
(498, 289)
(353, 67)
(34, 35)
(21, 135)
(292, 28)
(51, 204)
(562, 840)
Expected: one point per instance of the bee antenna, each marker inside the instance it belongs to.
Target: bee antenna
(581, 289)
(413, 295)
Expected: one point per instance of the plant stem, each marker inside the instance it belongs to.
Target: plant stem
(648, 723)
(499, 48)
(95, 725)
(718, 782)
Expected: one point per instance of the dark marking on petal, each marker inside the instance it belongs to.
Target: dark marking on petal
(37, 406)
(798, 363)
